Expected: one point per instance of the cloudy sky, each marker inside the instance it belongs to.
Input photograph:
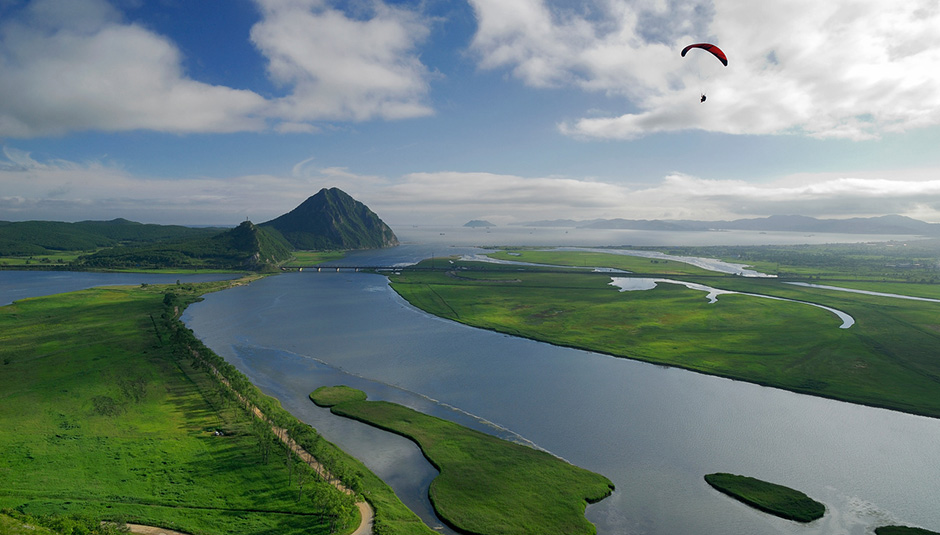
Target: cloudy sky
(441, 111)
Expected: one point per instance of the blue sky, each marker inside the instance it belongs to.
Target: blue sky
(441, 111)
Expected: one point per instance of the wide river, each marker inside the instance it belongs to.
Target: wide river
(654, 431)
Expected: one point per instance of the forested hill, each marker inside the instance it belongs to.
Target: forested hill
(329, 220)
(332, 219)
(244, 247)
(45, 237)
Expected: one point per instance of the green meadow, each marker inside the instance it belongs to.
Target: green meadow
(310, 258)
(486, 485)
(887, 359)
(106, 415)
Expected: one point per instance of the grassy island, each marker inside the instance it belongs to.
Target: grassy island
(768, 497)
(486, 485)
(903, 530)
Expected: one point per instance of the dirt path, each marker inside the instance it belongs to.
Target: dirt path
(152, 530)
(365, 509)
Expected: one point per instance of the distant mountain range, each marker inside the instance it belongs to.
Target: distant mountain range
(329, 220)
(887, 225)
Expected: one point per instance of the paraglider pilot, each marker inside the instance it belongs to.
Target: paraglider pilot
(703, 97)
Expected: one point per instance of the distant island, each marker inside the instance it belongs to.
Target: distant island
(889, 224)
(478, 223)
(330, 220)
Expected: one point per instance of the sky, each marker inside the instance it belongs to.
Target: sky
(436, 112)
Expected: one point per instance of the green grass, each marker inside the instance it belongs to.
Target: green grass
(106, 415)
(768, 497)
(311, 258)
(14, 526)
(40, 260)
(486, 485)
(887, 359)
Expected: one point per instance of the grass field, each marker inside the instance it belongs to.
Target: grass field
(768, 497)
(101, 418)
(888, 358)
(310, 258)
(486, 485)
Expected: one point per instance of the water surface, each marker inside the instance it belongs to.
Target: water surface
(654, 431)
(16, 285)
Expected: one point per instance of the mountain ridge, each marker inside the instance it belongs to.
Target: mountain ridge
(887, 224)
(328, 220)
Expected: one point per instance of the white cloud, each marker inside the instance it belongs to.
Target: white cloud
(341, 67)
(63, 190)
(72, 65)
(60, 190)
(454, 198)
(844, 69)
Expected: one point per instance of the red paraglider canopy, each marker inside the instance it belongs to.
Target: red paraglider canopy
(711, 48)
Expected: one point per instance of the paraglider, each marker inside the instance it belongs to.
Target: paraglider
(708, 47)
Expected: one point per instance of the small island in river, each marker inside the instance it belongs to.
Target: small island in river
(768, 497)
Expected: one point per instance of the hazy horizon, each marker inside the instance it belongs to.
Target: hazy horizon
(440, 112)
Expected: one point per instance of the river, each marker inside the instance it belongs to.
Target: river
(654, 431)
(20, 284)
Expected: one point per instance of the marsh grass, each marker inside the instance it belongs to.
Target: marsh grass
(887, 359)
(903, 530)
(486, 485)
(309, 258)
(768, 497)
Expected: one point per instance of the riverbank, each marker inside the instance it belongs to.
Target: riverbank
(887, 359)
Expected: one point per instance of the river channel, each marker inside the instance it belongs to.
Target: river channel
(654, 431)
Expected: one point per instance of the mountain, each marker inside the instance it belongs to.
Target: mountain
(244, 247)
(887, 225)
(634, 224)
(478, 223)
(331, 220)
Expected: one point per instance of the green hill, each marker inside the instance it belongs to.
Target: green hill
(44, 237)
(330, 220)
(246, 246)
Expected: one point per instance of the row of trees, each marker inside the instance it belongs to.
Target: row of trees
(236, 399)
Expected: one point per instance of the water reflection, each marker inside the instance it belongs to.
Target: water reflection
(654, 431)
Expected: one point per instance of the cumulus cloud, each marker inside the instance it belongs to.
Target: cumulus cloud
(843, 69)
(72, 65)
(341, 67)
(75, 65)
